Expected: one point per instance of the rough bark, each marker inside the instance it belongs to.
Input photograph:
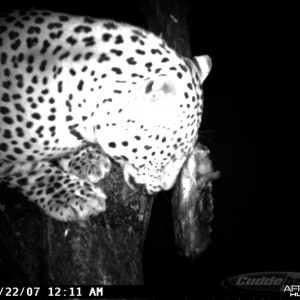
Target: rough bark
(167, 19)
(106, 249)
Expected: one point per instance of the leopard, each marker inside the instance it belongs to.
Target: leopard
(82, 91)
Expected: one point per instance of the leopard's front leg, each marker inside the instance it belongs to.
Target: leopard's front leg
(61, 195)
(89, 162)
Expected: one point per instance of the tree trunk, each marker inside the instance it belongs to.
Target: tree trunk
(106, 249)
(167, 18)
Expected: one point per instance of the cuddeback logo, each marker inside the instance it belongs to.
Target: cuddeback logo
(287, 282)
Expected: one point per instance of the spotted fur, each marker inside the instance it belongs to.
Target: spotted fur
(68, 80)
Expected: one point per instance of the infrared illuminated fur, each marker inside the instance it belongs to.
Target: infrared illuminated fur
(66, 81)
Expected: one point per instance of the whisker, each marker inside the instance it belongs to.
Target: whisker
(203, 135)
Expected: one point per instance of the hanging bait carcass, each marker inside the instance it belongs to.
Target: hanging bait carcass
(192, 203)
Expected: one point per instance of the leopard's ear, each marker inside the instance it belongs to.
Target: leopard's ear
(204, 63)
